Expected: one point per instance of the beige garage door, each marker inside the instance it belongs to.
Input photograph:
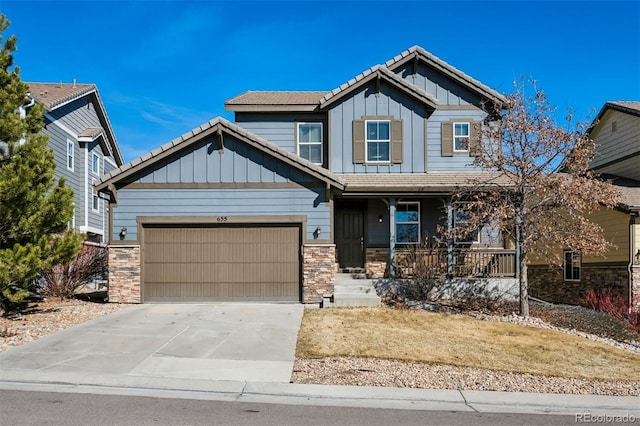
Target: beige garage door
(249, 263)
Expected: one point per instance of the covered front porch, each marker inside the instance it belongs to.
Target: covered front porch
(391, 235)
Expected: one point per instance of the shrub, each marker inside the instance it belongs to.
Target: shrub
(64, 279)
(613, 303)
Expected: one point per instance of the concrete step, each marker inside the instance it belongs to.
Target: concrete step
(352, 288)
(355, 300)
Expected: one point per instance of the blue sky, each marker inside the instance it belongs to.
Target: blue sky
(165, 67)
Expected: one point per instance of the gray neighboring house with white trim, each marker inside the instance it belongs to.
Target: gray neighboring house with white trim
(302, 185)
(84, 147)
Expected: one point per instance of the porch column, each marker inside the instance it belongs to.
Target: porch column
(392, 237)
(449, 238)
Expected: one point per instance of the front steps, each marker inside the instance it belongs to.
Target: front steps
(352, 288)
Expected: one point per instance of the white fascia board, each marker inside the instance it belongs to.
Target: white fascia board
(91, 229)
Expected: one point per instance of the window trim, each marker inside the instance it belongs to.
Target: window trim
(71, 158)
(468, 136)
(367, 141)
(574, 255)
(419, 222)
(95, 199)
(95, 160)
(321, 142)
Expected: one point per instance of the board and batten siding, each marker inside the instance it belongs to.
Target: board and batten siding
(445, 90)
(366, 103)
(461, 162)
(267, 186)
(615, 142)
(277, 128)
(221, 202)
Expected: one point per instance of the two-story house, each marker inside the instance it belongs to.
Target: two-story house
(616, 133)
(84, 148)
(300, 185)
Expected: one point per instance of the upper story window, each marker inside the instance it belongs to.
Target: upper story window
(310, 141)
(378, 140)
(70, 154)
(408, 223)
(95, 163)
(461, 137)
(572, 265)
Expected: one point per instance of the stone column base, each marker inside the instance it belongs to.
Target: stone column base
(376, 262)
(124, 274)
(318, 272)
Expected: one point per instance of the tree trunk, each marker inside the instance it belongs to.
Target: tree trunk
(524, 287)
(521, 267)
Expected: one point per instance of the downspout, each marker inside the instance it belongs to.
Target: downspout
(86, 186)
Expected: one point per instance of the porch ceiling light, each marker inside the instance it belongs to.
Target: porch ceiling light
(380, 219)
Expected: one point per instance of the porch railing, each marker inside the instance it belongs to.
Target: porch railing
(463, 263)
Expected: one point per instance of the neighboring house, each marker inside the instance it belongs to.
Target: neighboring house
(304, 184)
(616, 133)
(84, 148)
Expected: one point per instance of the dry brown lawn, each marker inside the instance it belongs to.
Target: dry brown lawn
(410, 335)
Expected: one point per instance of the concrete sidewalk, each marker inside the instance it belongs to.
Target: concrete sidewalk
(233, 352)
(324, 395)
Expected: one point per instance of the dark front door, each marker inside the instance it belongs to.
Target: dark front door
(350, 237)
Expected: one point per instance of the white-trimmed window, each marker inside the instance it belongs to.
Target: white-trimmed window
(95, 200)
(310, 141)
(95, 163)
(461, 137)
(461, 219)
(408, 223)
(70, 154)
(378, 140)
(572, 265)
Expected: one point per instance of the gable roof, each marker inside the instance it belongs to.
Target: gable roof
(627, 107)
(301, 101)
(214, 126)
(378, 72)
(418, 53)
(56, 95)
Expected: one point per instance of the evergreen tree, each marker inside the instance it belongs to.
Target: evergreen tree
(34, 208)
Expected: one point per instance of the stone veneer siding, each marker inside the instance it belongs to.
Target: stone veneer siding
(124, 274)
(318, 272)
(376, 262)
(548, 283)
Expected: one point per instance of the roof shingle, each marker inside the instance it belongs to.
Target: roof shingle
(52, 95)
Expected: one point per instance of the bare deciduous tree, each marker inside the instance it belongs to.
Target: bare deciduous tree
(541, 209)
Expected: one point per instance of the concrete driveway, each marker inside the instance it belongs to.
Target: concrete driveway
(236, 342)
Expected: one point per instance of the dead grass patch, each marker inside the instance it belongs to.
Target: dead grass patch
(459, 340)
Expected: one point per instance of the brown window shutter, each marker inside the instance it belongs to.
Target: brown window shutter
(447, 139)
(358, 142)
(396, 141)
(475, 149)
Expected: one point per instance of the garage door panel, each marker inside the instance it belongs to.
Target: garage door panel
(222, 263)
